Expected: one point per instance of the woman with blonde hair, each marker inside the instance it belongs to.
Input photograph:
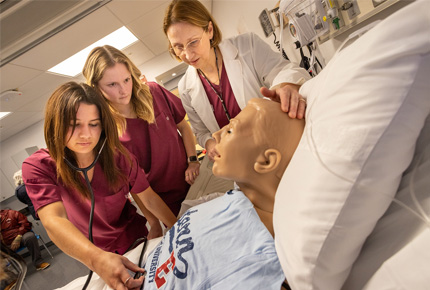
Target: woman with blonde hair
(153, 116)
(79, 130)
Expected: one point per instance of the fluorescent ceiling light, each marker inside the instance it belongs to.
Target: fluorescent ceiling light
(72, 66)
(4, 114)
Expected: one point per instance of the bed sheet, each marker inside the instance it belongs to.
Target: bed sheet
(97, 283)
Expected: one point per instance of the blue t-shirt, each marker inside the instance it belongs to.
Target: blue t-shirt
(220, 244)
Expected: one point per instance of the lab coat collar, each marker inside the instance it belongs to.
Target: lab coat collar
(233, 67)
(199, 99)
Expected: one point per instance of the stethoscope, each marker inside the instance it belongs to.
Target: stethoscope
(90, 226)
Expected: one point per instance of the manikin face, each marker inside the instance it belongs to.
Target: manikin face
(87, 131)
(116, 85)
(236, 147)
(191, 43)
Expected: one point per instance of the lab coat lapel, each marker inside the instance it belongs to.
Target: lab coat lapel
(234, 71)
(200, 102)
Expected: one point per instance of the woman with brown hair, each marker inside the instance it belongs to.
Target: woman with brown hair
(224, 74)
(79, 128)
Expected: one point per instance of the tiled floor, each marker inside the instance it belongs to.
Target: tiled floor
(63, 269)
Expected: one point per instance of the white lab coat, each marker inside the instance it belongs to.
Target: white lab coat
(250, 63)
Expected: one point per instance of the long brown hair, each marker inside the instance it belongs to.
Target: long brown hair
(192, 12)
(104, 57)
(60, 112)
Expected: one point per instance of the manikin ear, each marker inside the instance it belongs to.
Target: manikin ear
(268, 161)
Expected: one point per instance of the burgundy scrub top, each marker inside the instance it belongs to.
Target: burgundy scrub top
(116, 224)
(159, 148)
(227, 95)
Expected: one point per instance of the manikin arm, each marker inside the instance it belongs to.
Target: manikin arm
(157, 206)
(155, 230)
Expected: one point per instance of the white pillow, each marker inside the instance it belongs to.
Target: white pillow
(396, 253)
(365, 112)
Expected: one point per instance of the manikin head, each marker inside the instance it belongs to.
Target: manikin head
(254, 151)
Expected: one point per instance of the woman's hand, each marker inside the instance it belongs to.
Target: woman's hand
(113, 269)
(210, 149)
(291, 101)
(192, 172)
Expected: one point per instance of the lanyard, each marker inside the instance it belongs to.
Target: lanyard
(219, 79)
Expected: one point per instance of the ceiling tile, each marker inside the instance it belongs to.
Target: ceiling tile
(14, 76)
(149, 23)
(156, 42)
(128, 11)
(71, 40)
(19, 121)
(12, 102)
(138, 53)
(158, 65)
(43, 84)
(37, 104)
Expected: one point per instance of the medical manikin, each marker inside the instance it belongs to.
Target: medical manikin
(227, 243)
(254, 151)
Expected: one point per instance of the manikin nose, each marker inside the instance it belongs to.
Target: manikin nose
(217, 136)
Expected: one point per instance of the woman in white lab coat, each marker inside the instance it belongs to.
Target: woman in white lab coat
(224, 75)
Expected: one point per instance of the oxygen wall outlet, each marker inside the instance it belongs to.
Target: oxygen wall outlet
(351, 7)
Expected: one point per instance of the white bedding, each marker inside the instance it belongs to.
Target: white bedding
(97, 283)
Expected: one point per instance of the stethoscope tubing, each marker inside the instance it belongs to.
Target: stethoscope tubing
(87, 180)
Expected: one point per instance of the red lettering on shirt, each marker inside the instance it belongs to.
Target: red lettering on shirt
(163, 270)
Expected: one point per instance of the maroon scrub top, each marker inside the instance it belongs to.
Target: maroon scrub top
(116, 224)
(227, 96)
(159, 148)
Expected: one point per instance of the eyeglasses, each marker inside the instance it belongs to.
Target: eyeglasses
(190, 46)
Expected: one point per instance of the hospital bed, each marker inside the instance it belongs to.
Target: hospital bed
(360, 220)
(97, 283)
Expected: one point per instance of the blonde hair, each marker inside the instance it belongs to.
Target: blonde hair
(17, 177)
(104, 57)
(192, 12)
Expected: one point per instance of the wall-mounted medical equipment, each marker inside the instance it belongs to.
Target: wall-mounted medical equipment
(307, 19)
(312, 22)
(342, 15)
(268, 24)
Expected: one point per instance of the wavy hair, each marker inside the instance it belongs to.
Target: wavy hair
(60, 112)
(104, 57)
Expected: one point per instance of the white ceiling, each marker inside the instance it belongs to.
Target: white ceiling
(38, 34)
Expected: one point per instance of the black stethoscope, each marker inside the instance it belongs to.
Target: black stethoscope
(85, 172)
(90, 226)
